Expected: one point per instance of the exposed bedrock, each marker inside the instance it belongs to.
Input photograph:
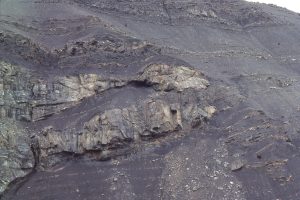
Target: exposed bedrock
(16, 157)
(164, 77)
(231, 12)
(27, 97)
(118, 128)
(159, 99)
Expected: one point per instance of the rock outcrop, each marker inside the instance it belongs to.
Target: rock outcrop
(64, 92)
(192, 12)
(118, 128)
(27, 97)
(160, 99)
(16, 157)
(166, 78)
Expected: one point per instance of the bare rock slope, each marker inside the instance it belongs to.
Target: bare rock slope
(158, 99)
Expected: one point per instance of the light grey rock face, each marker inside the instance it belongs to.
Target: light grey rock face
(161, 117)
(15, 90)
(37, 99)
(196, 115)
(113, 126)
(117, 128)
(16, 157)
(65, 92)
(166, 77)
(25, 97)
(111, 129)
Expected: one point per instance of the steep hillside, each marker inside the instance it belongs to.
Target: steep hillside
(161, 99)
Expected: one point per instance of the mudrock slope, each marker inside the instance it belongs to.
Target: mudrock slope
(140, 82)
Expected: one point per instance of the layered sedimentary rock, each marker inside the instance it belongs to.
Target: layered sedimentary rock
(165, 77)
(28, 97)
(138, 99)
(16, 157)
(176, 12)
(118, 128)
(15, 89)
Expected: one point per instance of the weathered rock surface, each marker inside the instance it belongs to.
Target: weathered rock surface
(16, 158)
(233, 12)
(26, 97)
(118, 128)
(111, 130)
(158, 99)
(166, 77)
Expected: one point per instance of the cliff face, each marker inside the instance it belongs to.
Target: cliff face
(149, 100)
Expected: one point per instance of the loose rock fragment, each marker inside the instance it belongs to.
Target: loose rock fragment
(237, 165)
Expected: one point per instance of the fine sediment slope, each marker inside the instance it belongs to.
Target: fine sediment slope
(159, 99)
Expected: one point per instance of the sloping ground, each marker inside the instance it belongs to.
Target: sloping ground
(149, 100)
